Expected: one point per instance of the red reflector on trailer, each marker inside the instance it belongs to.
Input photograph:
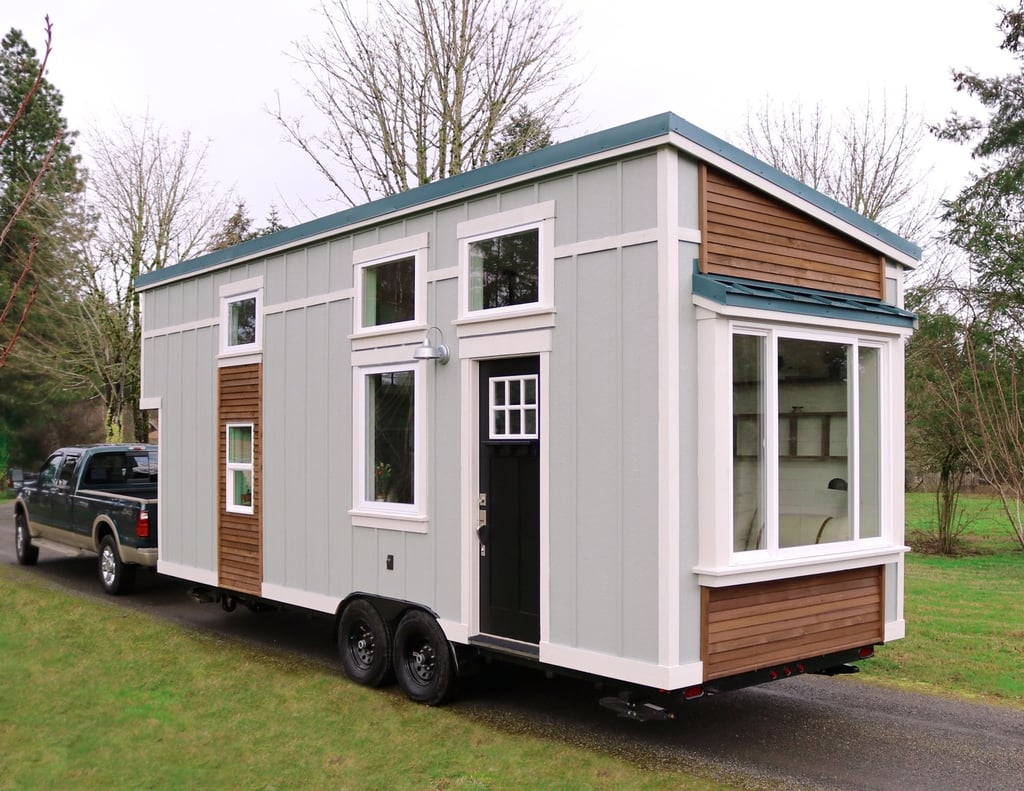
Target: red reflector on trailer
(692, 693)
(142, 525)
(867, 652)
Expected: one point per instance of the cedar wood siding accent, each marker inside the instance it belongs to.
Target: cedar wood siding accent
(749, 234)
(239, 542)
(748, 627)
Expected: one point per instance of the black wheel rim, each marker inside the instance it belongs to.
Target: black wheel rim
(423, 663)
(361, 645)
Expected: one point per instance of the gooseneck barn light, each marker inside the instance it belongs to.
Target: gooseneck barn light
(425, 351)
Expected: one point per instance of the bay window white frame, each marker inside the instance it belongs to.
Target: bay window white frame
(719, 562)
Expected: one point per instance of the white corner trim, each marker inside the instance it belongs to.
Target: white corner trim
(895, 630)
(456, 632)
(149, 402)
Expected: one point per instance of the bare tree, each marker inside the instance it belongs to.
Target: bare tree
(868, 160)
(11, 311)
(421, 89)
(153, 207)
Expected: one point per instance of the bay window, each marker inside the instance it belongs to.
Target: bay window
(807, 439)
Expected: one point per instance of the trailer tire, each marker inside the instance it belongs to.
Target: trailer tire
(116, 576)
(424, 665)
(364, 644)
(26, 551)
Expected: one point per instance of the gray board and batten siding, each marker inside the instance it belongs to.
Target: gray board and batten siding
(621, 199)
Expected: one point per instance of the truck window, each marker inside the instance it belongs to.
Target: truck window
(48, 474)
(143, 466)
(67, 471)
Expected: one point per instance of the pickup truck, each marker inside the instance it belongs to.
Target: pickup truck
(100, 498)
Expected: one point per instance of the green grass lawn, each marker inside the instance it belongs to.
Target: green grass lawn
(97, 696)
(965, 614)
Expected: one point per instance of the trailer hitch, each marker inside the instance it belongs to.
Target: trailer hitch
(639, 710)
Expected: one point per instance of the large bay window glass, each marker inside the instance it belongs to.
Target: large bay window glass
(807, 439)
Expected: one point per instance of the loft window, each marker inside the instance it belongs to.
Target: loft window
(504, 270)
(505, 265)
(391, 288)
(389, 292)
(240, 323)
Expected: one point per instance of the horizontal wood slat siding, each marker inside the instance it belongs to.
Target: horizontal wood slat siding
(239, 536)
(749, 234)
(749, 627)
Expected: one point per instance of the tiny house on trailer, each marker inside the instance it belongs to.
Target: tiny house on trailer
(629, 406)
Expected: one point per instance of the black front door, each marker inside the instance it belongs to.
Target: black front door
(510, 498)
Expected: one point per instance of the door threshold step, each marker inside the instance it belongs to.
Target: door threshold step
(506, 646)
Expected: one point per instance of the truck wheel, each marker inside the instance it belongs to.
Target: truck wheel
(117, 577)
(423, 659)
(364, 644)
(26, 552)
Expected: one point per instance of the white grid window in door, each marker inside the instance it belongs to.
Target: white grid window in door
(514, 407)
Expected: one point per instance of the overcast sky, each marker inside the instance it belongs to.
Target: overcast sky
(213, 66)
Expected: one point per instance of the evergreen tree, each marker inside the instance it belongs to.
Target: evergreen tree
(523, 133)
(40, 190)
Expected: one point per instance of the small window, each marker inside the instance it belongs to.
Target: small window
(514, 407)
(504, 271)
(240, 468)
(391, 288)
(389, 292)
(506, 267)
(241, 323)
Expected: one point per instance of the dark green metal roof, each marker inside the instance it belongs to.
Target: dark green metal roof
(742, 293)
(656, 126)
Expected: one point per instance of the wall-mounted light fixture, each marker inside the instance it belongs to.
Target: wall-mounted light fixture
(425, 351)
(838, 484)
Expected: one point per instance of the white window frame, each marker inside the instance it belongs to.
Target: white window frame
(522, 407)
(231, 467)
(367, 511)
(230, 294)
(538, 216)
(415, 247)
(772, 333)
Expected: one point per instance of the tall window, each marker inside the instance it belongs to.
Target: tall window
(239, 495)
(389, 474)
(504, 270)
(807, 439)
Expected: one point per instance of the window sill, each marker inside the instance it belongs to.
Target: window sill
(245, 357)
(505, 320)
(384, 520)
(782, 568)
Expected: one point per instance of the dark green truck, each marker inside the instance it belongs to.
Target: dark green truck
(100, 498)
